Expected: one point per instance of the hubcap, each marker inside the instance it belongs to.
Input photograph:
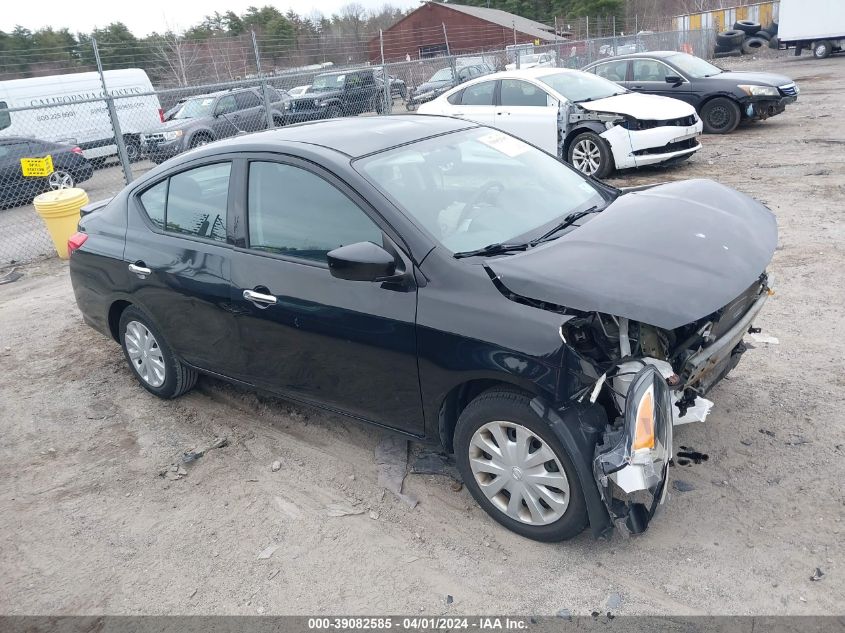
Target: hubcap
(518, 472)
(820, 50)
(145, 354)
(718, 117)
(586, 156)
(60, 180)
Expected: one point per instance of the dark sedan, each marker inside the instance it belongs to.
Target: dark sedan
(722, 98)
(70, 168)
(392, 271)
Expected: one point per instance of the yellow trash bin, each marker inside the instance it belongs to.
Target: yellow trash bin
(60, 211)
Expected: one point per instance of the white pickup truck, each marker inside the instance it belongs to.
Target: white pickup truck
(818, 25)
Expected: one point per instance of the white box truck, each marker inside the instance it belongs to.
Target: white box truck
(73, 117)
(817, 25)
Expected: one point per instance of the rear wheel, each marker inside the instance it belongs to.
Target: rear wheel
(199, 140)
(517, 469)
(590, 154)
(150, 357)
(720, 116)
(822, 49)
(334, 112)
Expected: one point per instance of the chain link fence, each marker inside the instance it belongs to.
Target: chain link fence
(101, 129)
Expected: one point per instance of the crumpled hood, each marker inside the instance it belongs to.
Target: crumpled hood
(665, 256)
(765, 79)
(641, 106)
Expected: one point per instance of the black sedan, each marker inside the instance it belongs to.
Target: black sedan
(722, 98)
(392, 271)
(70, 168)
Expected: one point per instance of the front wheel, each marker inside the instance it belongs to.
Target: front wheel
(150, 357)
(720, 116)
(517, 469)
(590, 154)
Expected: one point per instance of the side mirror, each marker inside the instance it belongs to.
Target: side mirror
(674, 80)
(362, 261)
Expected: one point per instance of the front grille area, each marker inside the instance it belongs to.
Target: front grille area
(678, 146)
(301, 105)
(681, 122)
(154, 138)
(789, 90)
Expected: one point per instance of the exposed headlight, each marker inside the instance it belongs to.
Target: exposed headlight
(644, 426)
(287, 105)
(172, 135)
(759, 91)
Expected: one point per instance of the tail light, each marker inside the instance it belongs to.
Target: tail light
(75, 241)
(161, 114)
(77, 150)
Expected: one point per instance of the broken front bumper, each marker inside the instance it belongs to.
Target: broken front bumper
(631, 472)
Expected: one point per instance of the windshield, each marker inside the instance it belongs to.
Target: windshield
(194, 108)
(327, 82)
(577, 86)
(469, 189)
(694, 66)
(444, 74)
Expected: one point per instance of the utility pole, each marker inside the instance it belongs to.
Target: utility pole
(115, 124)
(266, 94)
(388, 99)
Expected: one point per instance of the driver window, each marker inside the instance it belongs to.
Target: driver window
(292, 211)
(226, 105)
(522, 93)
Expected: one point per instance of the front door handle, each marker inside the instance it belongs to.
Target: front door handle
(140, 270)
(258, 297)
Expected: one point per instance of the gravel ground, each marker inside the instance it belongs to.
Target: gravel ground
(89, 526)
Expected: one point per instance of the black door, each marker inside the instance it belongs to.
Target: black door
(14, 187)
(348, 345)
(179, 263)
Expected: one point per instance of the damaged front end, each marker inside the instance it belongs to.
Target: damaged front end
(631, 463)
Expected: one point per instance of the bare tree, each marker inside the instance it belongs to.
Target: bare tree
(175, 53)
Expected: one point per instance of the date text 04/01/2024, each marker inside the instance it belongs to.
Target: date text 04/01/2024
(486, 623)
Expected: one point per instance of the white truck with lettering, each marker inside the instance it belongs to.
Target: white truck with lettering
(77, 112)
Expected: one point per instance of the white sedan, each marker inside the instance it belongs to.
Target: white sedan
(593, 123)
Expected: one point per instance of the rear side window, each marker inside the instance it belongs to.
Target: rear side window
(294, 212)
(154, 201)
(5, 116)
(247, 100)
(615, 71)
(479, 94)
(191, 203)
(456, 98)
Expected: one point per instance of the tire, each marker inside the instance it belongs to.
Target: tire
(773, 28)
(733, 53)
(278, 121)
(753, 44)
(720, 116)
(763, 35)
(732, 38)
(822, 49)
(166, 377)
(411, 106)
(562, 514)
(133, 150)
(378, 105)
(199, 140)
(774, 43)
(590, 154)
(724, 49)
(334, 112)
(747, 26)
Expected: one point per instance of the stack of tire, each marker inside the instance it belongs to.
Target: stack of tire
(746, 37)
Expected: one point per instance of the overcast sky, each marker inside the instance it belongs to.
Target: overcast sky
(145, 16)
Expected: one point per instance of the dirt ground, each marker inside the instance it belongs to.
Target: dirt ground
(88, 525)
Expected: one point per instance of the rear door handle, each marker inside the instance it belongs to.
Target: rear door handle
(140, 270)
(258, 297)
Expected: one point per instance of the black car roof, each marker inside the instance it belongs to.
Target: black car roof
(655, 54)
(354, 137)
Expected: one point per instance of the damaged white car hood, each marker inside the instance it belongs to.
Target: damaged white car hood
(640, 106)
